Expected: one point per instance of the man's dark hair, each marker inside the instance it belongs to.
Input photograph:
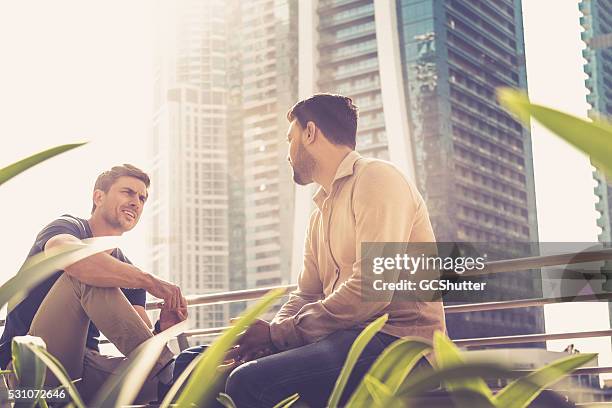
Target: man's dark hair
(108, 178)
(335, 115)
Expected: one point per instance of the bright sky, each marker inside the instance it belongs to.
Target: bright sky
(75, 70)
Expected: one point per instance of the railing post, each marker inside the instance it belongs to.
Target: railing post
(183, 341)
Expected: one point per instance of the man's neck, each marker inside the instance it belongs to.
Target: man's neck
(100, 228)
(327, 169)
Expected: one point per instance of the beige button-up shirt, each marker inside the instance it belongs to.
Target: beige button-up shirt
(370, 201)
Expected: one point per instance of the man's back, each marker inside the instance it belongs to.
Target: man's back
(370, 201)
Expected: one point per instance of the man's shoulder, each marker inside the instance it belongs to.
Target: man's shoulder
(65, 224)
(382, 170)
(76, 224)
(376, 178)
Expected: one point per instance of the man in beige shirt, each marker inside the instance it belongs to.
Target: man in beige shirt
(359, 200)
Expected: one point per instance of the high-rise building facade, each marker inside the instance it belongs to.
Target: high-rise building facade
(188, 207)
(235, 157)
(424, 74)
(225, 80)
(596, 20)
(268, 57)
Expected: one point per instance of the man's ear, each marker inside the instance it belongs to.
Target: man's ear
(310, 135)
(98, 197)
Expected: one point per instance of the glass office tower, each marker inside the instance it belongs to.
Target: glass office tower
(188, 206)
(424, 74)
(596, 20)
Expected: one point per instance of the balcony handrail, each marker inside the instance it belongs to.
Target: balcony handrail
(490, 267)
(511, 265)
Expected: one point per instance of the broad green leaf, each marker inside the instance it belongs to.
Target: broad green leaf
(429, 380)
(39, 267)
(356, 349)
(392, 367)
(287, 402)
(381, 394)
(40, 351)
(205, 375)
(14, 169)
(522, 391)
(226, 400)
(122, 389)
(448, 355)
(593, 138)
(29, 369)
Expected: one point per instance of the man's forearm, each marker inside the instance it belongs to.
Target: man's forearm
(291, 307)
(105, 271)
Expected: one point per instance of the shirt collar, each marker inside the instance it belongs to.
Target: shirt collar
(345, 169)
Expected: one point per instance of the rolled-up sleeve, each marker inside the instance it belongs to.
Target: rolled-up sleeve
(385, 207)
(309, 290)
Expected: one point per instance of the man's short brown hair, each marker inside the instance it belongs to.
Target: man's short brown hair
(108, 178)
(334, 114)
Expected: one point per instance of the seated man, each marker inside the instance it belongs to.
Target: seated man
(359, 200)
(104, 291)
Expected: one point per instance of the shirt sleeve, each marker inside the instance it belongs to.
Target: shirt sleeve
(63, 225)
(309, 287)
(136, 297)
(385, 207)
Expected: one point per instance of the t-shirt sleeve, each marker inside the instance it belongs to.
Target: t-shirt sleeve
(137, 297)
(63, 225)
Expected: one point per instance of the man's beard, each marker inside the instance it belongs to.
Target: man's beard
(303, 167)
(113, 221)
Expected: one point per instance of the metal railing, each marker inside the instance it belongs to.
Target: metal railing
(503, 266)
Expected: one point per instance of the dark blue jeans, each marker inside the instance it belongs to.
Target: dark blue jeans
(311, 371)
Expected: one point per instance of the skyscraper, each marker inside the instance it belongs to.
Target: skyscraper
(188, 207)
(424, 75)
(268, 54)
(596, 20)
(225, 79)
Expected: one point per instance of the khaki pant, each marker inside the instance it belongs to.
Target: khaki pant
(62, 322)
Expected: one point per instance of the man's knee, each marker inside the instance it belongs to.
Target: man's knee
(243, 384)
(185, 358)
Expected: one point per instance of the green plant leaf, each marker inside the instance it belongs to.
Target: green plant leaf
(522, 391)
(122, 389)
(29, 369)
(448, 355)
(382, 395)
(356, 349)
(14, 169)
(40, 266)
(593, 138)
(287, 402)
(429, 380)
(40, 351)
(205, 373)
(226, 400)
(392, 367)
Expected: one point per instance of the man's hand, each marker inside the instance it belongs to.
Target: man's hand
(169, 292)
(256, 342)
(233, 358)
(256, 337)
(169, 317)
